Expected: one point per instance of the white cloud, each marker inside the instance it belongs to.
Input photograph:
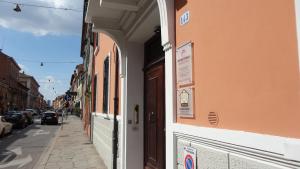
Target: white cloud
(42, 21)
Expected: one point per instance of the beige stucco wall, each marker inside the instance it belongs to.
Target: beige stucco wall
(246, 64)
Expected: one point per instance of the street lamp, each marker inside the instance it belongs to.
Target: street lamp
(17, 8)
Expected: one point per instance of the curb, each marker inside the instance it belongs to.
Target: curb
(46, 153)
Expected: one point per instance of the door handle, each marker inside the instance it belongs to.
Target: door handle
(150, 115)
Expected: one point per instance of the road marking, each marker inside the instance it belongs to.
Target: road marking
(11, 154)
(8, 155)
(17, 150)
(41, 132)
(18, 162)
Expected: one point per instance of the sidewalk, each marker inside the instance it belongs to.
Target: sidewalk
(71, 149)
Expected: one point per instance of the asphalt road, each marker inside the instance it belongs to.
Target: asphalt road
(23, 148)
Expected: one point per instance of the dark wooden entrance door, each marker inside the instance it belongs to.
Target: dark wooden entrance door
(154, 118)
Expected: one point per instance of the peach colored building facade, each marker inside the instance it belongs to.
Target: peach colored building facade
(107, 50)
(247, 64)
(242, 98)
(103, 95)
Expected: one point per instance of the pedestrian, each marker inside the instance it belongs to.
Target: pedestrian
(62, 115)
(67, 114)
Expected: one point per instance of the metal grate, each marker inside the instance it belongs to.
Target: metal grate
(213, 118)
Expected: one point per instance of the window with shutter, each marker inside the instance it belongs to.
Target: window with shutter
(105, 85)
(95, 94)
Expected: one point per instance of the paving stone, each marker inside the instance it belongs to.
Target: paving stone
(70, 150)
(52, 165)
(81, 164)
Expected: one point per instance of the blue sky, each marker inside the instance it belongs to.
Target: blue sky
(48, 36)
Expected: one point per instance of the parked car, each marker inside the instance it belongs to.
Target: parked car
(49, 117)
(33, 111)
(28, 115)
(17, 118)
(5, 127)
(38, 111)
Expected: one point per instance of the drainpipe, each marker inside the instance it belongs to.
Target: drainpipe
(92, 99)
(116, 107)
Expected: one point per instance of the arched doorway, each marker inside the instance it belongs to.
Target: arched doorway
(133, 23)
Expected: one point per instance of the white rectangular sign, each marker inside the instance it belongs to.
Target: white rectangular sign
(190, 157)
(184, 64)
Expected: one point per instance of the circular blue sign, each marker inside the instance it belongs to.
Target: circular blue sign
(189, 162)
